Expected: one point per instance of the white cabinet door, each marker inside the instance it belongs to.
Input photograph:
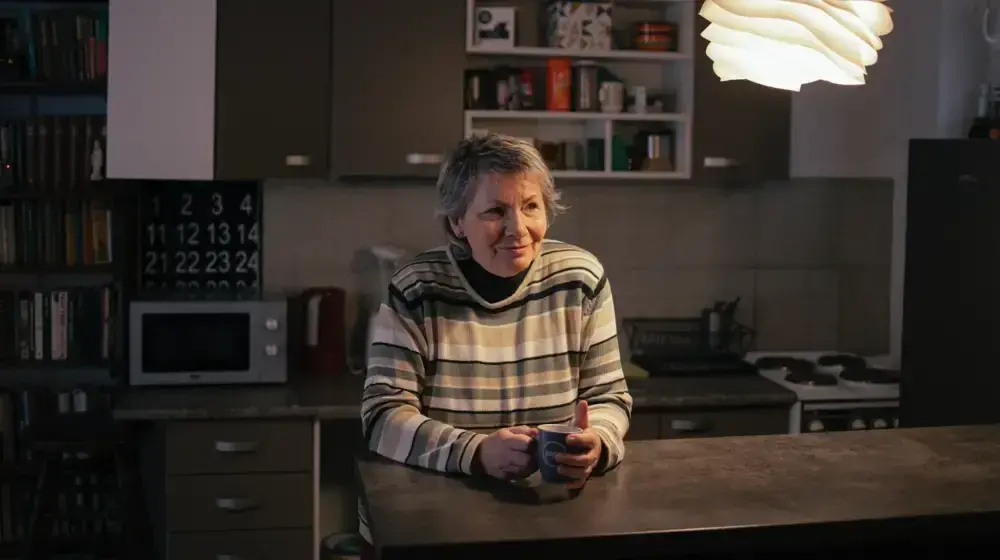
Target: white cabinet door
(161, 89)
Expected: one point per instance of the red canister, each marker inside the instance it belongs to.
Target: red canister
(558, 84)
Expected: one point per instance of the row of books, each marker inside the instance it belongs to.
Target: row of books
(55, 233)
(53, 153)
(55, 44)
(85, 491)
(72, 325)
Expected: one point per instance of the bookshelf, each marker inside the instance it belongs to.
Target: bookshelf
(62, 280)
(59, 281)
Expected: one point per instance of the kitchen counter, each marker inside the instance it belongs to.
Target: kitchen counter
(323, 398)
(817, 492)
(711, 391)
(338, 397)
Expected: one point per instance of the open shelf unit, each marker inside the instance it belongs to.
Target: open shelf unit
(551, 52)
(667, 75)
(574, 116)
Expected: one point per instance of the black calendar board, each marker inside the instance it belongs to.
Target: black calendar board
(201, 238)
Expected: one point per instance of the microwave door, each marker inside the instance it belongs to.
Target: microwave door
(194, 345)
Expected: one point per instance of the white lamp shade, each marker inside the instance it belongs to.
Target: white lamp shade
(787, 43)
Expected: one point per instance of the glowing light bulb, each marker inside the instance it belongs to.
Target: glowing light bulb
(787, 43)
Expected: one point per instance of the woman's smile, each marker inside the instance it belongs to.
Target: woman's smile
(515, 249)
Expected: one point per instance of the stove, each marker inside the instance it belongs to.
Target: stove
(836, 392)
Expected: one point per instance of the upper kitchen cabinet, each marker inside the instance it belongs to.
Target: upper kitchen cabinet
(742, 130)
(397, 86)
(272, 89)
(219, 89)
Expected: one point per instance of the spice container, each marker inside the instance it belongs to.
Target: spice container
(558, 84)
(586, 81)
(655, 36)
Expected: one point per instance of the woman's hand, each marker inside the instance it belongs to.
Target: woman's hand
(507, 453)
(579, 466)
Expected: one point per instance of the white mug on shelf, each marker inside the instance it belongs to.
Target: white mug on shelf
(612, 97)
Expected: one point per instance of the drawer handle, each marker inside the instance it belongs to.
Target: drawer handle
(236, 504)
(296, 160)
(236, 446)
(690, 426)
(720, 163)
(424, 159)
(227, 557)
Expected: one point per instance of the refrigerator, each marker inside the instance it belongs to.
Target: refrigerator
(951, 301)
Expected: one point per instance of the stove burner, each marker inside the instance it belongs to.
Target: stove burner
(846, 361)
(796, 365)
(811, 378)
(870, 376)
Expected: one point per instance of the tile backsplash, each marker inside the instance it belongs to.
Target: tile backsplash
(810, 258)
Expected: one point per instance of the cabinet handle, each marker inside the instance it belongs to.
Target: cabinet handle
(424, 159)
(967, 178)
(236, 504)
(236, 446)
(227, 557)
(297, 160)
(720, 162)
(690, 426)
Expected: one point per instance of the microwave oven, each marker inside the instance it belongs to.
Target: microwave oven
(208, 342)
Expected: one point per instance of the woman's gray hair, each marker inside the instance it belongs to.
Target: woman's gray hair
(480, 156)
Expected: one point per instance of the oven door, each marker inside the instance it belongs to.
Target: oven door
(848, 416)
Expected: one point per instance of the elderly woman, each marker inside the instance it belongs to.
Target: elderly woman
(500, 331)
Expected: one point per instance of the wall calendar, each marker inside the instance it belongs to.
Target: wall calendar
(200, 238)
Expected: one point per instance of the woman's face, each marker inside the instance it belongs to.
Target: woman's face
(505, 223)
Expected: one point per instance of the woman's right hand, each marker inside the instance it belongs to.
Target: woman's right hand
(508, 452)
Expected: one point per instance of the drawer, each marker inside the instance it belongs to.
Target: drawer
(239, 501)
(239, 447)
(720, 423)
(643, 426)
(242, 545)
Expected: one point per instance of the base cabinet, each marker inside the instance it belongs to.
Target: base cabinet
(644, 426)
(651, 425)
(236, 489)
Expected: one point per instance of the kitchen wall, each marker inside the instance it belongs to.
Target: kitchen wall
(809, 258)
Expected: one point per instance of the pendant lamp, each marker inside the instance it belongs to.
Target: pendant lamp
(787, 43)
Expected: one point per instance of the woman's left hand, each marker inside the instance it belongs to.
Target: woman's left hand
(580, 466)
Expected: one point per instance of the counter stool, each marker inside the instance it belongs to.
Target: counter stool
(84, 458)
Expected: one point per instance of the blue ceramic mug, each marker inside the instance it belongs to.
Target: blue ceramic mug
(551, 441)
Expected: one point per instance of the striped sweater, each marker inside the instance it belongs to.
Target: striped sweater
(446, 367)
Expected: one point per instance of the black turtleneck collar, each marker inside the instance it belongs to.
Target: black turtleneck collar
(489, 286)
